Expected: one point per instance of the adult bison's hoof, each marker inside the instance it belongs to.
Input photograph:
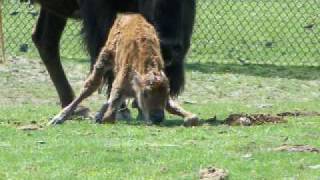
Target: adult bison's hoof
(191, 121)
(82, 111)
(124, 114)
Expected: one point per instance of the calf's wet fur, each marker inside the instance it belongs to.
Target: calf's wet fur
(133, 53)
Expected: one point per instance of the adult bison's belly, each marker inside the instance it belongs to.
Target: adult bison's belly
(65, 8)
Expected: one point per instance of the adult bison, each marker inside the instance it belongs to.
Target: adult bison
(173, 19)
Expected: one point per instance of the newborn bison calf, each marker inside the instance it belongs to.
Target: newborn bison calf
(132, 52)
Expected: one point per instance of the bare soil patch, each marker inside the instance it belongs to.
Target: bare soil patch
(30, 127)
(258, 119)
(298, 113)
(298, 148)
(212, 173)
(253, 119)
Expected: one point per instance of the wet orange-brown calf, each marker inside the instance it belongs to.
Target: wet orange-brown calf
(132, 52)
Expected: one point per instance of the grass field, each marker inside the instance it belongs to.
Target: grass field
(242, 34)
(235, 32)
(82, 150)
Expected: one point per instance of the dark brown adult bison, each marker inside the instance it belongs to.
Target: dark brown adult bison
(173, 20)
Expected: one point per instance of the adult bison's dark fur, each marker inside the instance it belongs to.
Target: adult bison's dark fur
(173, 20)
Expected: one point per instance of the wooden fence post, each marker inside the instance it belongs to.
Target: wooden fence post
(2, 50)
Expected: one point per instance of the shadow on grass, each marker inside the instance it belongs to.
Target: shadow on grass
(76, 60)
(263, 70)
(290, 72)
(176, 123)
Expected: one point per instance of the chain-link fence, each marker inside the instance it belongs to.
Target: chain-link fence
(274, 32)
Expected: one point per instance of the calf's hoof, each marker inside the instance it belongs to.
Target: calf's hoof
(149, 123)
(98, 118)
(58, 119)
(191, 121)
(67, 112)
(109, 118)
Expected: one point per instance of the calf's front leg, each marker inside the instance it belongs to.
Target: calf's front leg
(91, 85)
(190, 119)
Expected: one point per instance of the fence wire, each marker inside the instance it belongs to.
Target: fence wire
(285, 32)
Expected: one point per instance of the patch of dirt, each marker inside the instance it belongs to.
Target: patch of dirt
(28, 82)
(298, 148)
(298, 113)
(212, 173)
(253, 119)
(30, 127)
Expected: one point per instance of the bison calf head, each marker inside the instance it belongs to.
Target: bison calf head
(152, 93)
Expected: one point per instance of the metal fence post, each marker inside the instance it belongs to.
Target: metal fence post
(2, 51)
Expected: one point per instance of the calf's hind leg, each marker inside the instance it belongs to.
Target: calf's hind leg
(116, 98)
(123, 113)
(92, 83)
(190, 119)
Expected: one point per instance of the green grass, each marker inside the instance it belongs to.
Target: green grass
(268, 32)
(82, 150)
(237, 32)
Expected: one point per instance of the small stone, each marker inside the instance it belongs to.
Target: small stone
(247, 156)
(41, 142)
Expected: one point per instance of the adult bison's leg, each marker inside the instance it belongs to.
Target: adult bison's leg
(46, 37)
(174, 20)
